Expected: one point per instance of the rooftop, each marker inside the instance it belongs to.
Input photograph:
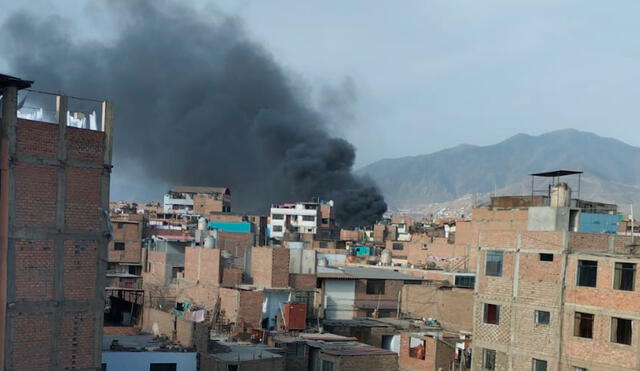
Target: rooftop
(348, 348)
(356, 322)
(245, 352)
(141, 342)
(556, 173)
(6, 80)
(197, 189)
(355, 272)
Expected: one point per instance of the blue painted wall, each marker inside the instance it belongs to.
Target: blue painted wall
(599, 223)
(237, 227)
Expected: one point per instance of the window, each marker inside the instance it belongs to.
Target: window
(327, 365)
(118, 245)
(587, 273)
(494, 263)
(417, 348)
(277, 216)
(539, 365)
(323, 244)
(308, 218)
(175, 271)
(492, 314)
(163, 367)
(621, 330)
(583, 325)
(576, 368)
(624, 276)
(232, 367)
(542, 317)
(375, 287)
(104, 367)
(277, 228)
(546, 257)
(120, 225)
(489, 359)
(397, 246)
(465, 281)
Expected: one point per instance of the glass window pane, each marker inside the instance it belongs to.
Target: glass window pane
(493, 265)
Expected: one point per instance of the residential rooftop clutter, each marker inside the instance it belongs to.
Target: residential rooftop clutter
(146, 352)
(523, 281)
(192, 200)
(294, 221)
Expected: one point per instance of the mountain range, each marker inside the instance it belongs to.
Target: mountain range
(454, 179)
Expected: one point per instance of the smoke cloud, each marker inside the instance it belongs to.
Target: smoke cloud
(198, 103)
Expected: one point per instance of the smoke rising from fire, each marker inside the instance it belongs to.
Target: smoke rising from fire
(198, 103)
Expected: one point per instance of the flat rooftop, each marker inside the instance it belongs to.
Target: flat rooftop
(356, 272)
(141, 342)
(245, 352)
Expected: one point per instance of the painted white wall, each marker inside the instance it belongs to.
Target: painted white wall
(134, 361)
(169, 201)
(339, 296)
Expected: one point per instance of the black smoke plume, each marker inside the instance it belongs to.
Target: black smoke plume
(197, 103)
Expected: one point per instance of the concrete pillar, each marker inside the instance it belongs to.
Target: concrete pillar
(7, 149)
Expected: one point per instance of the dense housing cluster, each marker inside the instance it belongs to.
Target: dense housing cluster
(534, 282)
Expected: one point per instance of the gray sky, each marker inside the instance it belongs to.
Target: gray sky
(434, 74)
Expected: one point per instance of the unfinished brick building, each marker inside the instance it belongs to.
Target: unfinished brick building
(54, 232)
(549, 297)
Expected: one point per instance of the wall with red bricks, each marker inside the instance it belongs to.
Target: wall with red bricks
(388, 300)
(270, 266)
(66, 336)
(232, 276)
(155, 272)
(235, 243)
(131, 234)
(204, 204)
(243, 307)
(369, 362)
(452, 307)
(202, 264)
(302, 281)
(349, 235)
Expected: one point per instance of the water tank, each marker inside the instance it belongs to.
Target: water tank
(209, 242)
(202, 224)
(385, 257)
(560, 195)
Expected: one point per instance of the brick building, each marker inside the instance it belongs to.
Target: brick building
(54, 230)
(123, 286)
(549, 297)
(191, 200)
